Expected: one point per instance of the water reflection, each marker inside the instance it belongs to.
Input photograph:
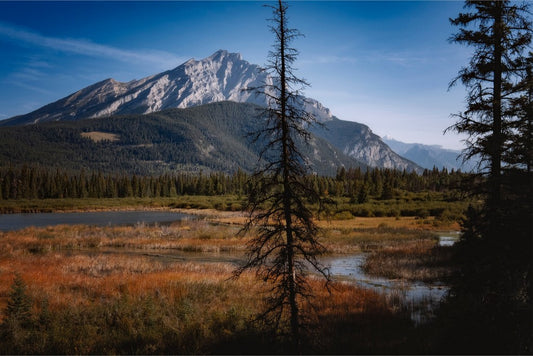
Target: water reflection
(449, 238)
(417, 298)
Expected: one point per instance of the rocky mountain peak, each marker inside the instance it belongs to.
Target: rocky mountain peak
(223, 76)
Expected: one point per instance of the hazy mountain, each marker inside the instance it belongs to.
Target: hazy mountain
(211, 137)
(357, 141)
(220, 77)
(429, 156)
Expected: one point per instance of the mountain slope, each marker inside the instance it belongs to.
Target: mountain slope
(357, 141)
(208, 137)
(429, 156)
(220, 77)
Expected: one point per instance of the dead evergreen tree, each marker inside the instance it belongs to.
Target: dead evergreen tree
(285, 245)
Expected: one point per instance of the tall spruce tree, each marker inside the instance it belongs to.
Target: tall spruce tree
(286, 241)
(491, 301)
(502, 32)
(520, 153)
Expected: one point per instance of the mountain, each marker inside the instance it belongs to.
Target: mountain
(357, 141)
(429, 156)
(211, 137)
(220, 77)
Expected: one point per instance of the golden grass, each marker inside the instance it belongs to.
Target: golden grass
(88, 272)
(73, 279)
(97, 136)
(187, 235)
(78, 265)
(407, 222)
(418, 260)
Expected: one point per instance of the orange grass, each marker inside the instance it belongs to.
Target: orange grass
(80, 279)
(409, 222)
(194, 304)
(187, 235)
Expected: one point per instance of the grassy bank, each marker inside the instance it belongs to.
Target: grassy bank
(415, 260)
(219, 202)
(436, 209)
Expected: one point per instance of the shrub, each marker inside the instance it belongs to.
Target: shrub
(343, 215)
(15, 330)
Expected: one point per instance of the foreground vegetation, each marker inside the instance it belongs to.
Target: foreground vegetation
(114, 290)
(128, 290)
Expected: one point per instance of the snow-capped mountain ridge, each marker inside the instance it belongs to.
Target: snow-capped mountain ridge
(219, 77)
(223, 76)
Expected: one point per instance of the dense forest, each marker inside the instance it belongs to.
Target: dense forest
(377, 192)
(208, 138)
(32, 182)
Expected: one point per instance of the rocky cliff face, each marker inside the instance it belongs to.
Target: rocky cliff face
(220, 77)
(357, 141)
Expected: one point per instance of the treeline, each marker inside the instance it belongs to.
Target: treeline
(360, 186)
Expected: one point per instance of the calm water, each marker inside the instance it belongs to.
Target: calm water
(10, 222)
(418, 298)
(449, 238)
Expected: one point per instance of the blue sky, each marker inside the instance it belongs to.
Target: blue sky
(384, 64)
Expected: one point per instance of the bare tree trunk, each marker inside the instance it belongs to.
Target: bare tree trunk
(286, 186)
(278, 204)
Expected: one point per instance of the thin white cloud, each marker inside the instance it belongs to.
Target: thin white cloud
(85, 47)
(29, 87)
(29, 73)
(329, 59)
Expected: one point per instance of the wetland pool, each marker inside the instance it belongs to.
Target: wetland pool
(418, 298)
(10, 222)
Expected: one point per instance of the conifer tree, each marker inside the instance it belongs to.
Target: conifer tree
(286, 240)
(19, 304)
(501, 35)
(493, 294)
(17, 322)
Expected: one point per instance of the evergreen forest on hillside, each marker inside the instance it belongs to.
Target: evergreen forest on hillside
(209, 138)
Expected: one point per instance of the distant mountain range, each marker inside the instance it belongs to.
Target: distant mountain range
(220, 77)
(429, 156)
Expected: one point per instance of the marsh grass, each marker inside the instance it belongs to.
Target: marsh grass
(220, 202)
(187, 235)
(421, 260)
(105, 304)
(349, 239)
(89, 301)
